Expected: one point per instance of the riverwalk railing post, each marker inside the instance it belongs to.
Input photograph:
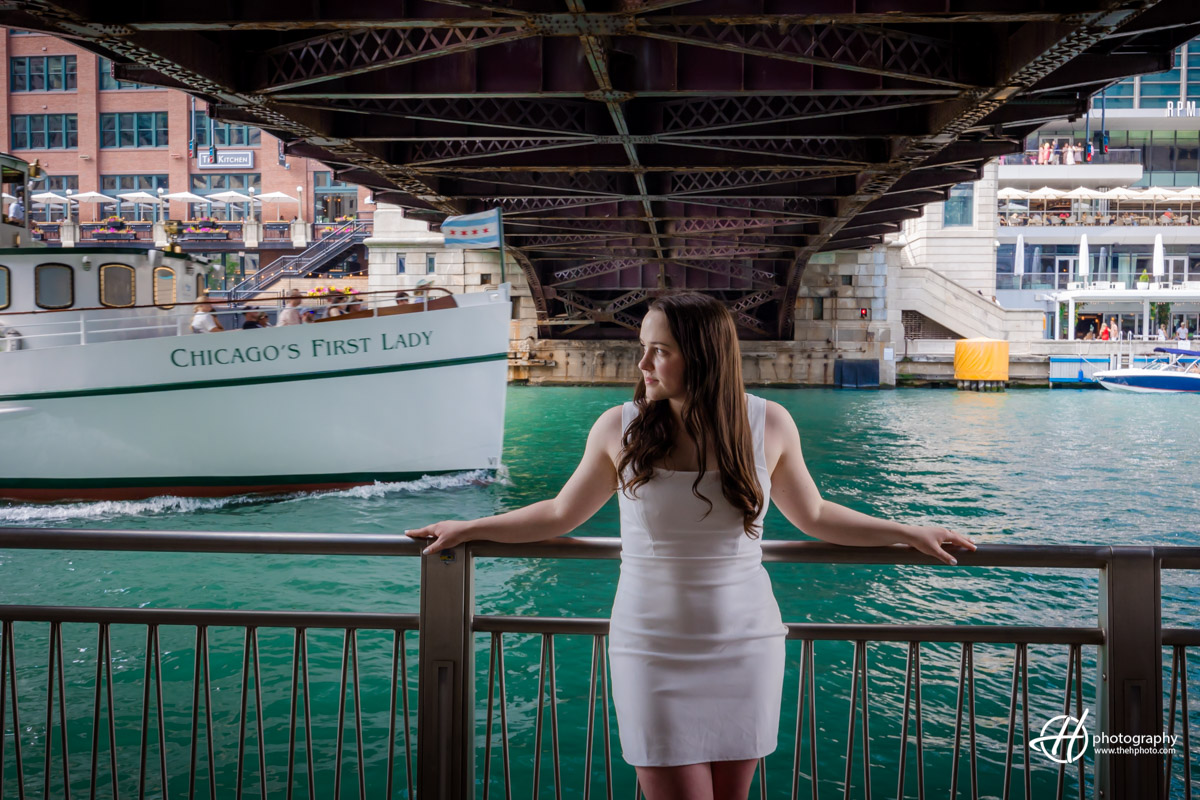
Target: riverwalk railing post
(1130, 665)
(446, 692)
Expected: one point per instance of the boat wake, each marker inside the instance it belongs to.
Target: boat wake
(51, 513)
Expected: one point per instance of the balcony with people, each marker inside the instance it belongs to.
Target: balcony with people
(1049, 208)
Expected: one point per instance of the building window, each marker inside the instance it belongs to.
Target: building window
(42, 73)
(4, 296)
(1162, 87)
(54, 286)
(333, 199)
(108, 82)
(59, 184)
(225, 134)
(164, 287)
(114, 185)
(137, 129)
(430, 264)
(847, 280)
(399, 265)
(818, 308)
(116, 285)
(958, 208)
(485, 278)
(45, 131)
(215, 183)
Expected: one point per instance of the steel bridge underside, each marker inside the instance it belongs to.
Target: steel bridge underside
(642, 146)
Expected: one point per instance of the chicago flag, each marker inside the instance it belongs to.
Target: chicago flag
(473, 231)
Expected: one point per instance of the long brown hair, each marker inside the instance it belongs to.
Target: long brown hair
(714, 403)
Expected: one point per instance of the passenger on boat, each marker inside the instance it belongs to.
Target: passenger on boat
(1162, 333)
(203, 321)
(401, 298)
(1114, 330)
(291, 310)
(253, 318)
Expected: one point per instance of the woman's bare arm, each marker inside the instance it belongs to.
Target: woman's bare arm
(593, 482)
(796, 495)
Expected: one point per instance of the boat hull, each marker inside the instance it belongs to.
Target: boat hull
(282, 409)
(1148, 381)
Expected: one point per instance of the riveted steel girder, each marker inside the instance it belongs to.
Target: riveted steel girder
(642, 146)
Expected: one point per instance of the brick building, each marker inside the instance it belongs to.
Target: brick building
(60, 105)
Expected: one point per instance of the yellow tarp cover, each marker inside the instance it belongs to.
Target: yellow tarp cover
(980, 360)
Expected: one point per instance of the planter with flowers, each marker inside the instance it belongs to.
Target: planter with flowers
(113, 229)
(205, 229)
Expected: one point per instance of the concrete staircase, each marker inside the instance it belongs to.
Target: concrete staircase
(961, 310)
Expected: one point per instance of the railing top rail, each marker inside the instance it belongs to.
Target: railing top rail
(221, 617)
(988, 555)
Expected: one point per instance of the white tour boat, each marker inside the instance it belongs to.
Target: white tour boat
(106, 393)
(1176, 370)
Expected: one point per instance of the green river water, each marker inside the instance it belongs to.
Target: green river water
(1026, 467)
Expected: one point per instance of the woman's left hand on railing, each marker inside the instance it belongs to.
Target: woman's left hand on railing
(445, 534)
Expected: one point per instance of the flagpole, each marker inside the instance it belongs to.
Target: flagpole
(500, 228)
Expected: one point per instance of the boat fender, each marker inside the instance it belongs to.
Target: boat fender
(10, 340)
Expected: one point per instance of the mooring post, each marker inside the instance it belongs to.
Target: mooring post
(1129, 689)
(446, 690)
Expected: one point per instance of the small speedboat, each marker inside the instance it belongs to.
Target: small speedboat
(1176, 370)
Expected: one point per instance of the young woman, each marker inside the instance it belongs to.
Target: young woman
(696, 641)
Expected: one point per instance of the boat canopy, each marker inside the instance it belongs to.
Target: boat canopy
(1177, 351)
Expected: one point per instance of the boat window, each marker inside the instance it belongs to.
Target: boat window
(4, 300)
(164, 287)
(116, 285)
(54, 286)
(200, 282)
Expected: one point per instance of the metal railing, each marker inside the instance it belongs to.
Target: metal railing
(1115, 155)
(321, 252)
(1102, 281)
(1126, 647)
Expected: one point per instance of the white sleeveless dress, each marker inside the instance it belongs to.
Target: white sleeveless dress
(696, 641)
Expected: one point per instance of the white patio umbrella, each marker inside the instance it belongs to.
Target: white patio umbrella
(185, 197)
(277, 198)
(1156, 195)
(92, 198)
(138, 199)
(1159, 260)
(1085, 258)
(1083, 193)
(1009, 193)
(1191, 195)
(8, 196)
(51, 198)
(1019, 259)
(230, 197)
(1045, 194)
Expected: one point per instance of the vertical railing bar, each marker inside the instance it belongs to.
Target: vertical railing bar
(1025, 715)
(341, 717)
(208, 721)
(63, 736)
(812, 716)
(762, 778)
(291, 759)
(95, 717)
(554, 724)
(1187, 740)
(195, 712)
(504, 720)
(4, 700)
(408, 771)
(850, 735)
(241, 750)
(487, 738)
(593, 674)
(1166, 789)
(258, 717)
(162, 726)
(866, 705)
(908, 662)
(1012, 723)
(112, 714)
(145, 712)
(1062, 765)
(397, 635)
(11, 650)
(920, 733)
(358, 734)
(608, 782)
(637, 789)
(971, 720)
(1079, 707)
(308, 742)
(49, 711)
(958, 716)
(537, 720)
(795, 795)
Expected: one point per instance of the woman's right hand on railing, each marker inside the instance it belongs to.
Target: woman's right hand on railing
(445, 534)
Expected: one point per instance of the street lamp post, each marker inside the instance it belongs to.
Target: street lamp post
(161, 213)
(69, 193)
(253, 215)
(300, 198)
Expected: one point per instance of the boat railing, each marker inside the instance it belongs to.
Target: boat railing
(77, 326)
(415, 710)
